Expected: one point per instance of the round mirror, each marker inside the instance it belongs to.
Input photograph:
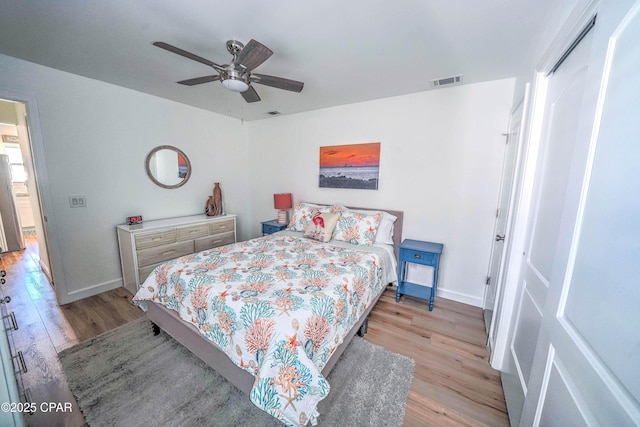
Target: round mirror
(168, 166)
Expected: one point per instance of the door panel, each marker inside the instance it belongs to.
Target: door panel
(564, 99)
(560, 407)
(529, 319)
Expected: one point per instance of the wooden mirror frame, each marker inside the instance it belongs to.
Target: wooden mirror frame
(154, 179)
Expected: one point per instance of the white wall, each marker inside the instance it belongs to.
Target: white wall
(441, 154)
(95, 137)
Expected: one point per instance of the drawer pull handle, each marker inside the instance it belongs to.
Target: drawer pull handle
(3, 273)
(172, 251)
(417, 256)
(3, 281)
(22, 363)
(14, 322)
(193, 231)
(155, 239)
(6, 299)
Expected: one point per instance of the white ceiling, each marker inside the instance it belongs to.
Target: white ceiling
(344, 51)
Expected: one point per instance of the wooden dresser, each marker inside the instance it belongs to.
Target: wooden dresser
(144, 246)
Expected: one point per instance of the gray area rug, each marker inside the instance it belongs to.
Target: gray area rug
(129, 377)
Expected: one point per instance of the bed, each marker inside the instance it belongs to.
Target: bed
(274, 314)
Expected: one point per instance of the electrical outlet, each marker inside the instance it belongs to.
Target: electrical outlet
(78, 201)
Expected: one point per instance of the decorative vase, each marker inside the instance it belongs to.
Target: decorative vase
(214, 203)
(217, 198)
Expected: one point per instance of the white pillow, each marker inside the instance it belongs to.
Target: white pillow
(385, 229)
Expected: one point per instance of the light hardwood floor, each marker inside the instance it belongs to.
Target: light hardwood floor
(453, 384)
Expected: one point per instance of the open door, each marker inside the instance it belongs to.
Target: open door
(504, 213)
(28, 200)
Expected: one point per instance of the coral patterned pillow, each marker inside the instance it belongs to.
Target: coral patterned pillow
(321, 226)
(303, 213)
(357, 228)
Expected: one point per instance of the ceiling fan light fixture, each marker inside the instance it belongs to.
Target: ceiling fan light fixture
(235, 85)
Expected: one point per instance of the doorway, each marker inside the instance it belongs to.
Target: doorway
(15, 145)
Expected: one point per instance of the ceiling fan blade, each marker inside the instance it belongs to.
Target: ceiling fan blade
(199, 80)
(252, 55)
(250, 95)
(186, 54)
(277, 82)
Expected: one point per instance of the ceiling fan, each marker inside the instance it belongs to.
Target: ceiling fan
(237, 75)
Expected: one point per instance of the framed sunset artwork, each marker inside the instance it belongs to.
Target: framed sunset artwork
(350, 166)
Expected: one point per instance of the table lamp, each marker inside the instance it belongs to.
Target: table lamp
(282, 202)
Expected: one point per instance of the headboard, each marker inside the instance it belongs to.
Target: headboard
(397, 226)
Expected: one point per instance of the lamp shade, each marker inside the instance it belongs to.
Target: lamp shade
(282, 201)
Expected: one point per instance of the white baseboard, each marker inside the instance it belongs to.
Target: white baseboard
(459, 297)
(90, 291)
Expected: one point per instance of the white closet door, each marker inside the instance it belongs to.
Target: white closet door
(580, 272)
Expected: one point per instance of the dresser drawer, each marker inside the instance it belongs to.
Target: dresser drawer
(221, 226)
(215, 241)
(158, 254)
(149, 240)
(192, 232)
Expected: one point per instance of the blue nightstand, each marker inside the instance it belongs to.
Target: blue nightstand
(272, 226)
(423, 253)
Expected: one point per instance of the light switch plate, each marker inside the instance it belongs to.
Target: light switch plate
(78, 201)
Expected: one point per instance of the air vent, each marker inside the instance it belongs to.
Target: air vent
(273, 113)
(447, 80)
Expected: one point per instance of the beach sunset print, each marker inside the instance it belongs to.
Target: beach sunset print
(350, 166)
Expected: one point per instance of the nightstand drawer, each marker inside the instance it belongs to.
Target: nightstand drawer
(417, 257)
(272, 226)
(270, 229)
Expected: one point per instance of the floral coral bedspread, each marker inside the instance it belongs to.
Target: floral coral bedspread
(278, 306)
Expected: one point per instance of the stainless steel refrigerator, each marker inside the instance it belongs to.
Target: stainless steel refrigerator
(11, 231)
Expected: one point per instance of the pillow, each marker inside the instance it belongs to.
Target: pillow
(303, 213)
(321, 226)
(357, 228)
(385, 229)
